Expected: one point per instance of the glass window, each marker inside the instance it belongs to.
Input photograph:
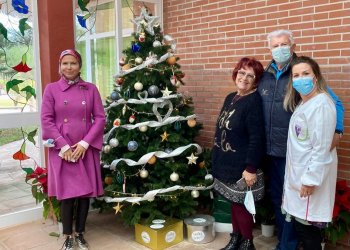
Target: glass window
(103, 64)
(17, 69)
(96, 39)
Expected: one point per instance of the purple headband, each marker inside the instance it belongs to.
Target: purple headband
(71, 52)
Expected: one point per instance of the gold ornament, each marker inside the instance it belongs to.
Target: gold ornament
(191, 123)
(166, 92)
(152, 160)
(171, 60)
(192, 159)
(126, 67)
(118, 208)
(201, 164)
(164, 136)
(108, 180)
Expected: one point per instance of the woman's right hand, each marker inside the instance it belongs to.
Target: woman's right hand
(67, 155)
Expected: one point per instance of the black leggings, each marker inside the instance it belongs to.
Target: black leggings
(67, 214)
(309, 235)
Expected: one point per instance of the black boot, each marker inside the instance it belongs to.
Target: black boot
(246, 245)
(234, 242)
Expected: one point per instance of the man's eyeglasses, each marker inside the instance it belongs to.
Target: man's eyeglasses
(242, 74)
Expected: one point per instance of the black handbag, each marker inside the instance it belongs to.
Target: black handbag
(233, 193)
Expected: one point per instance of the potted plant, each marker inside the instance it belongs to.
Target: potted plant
(266, 216)
(37, 178)
(340, 225)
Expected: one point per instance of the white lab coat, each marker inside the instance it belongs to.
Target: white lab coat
(309, 161)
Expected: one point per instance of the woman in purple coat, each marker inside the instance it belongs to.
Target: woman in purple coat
(72, 116)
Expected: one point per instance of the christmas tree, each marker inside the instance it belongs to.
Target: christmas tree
(152, 168)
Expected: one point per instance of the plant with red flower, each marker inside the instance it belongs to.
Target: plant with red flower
(22, 66)
(340, 224)
(37, 178)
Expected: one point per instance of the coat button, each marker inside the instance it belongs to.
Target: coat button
(65, 120)
(84, 119)
(83, 102)
(65, 102)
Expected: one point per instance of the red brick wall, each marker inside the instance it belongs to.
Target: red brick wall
(212, 35)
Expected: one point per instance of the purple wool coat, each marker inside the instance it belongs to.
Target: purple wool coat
(69, 114)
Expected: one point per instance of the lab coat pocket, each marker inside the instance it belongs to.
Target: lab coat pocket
(295, 173)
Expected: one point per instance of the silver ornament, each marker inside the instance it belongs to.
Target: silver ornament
(113, 142)
(138, 60)
(107, 149)
(143, 173)
(195, 193)
(143, 128)
(153, 90)
(156, 43)
(208, 177)
(132, 145)
(174, 177)
(138, 86)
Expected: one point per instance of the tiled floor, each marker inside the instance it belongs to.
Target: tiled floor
(104, 231)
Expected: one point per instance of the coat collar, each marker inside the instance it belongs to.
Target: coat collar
(64, 84)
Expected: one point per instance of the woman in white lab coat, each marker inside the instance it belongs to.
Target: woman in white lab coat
(311, 167)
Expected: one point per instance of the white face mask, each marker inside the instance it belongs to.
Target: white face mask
(281, 54)
(249, 203)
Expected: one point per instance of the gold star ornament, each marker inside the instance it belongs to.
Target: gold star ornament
(192, 159)
(165, 136)
(118, 208)
(166, 92)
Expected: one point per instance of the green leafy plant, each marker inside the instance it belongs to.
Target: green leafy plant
(37, 178)
(340, 224)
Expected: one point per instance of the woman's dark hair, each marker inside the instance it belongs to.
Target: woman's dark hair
(252, 63)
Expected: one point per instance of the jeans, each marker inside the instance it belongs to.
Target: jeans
(286, 231)
(67, 214)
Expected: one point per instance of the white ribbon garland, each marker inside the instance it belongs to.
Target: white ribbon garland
(152, 124)
(159, 154)
(142, 100)
(149, 196)
(150, 61)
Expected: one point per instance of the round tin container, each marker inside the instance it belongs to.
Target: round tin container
(200, 228)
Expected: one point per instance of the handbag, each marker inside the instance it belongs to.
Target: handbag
(233, 193)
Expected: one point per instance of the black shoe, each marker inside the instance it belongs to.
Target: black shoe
(234, 242)
(68, 244)
(247, 245)
(81, 242)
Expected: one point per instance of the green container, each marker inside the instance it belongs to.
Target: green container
(222, 217)
(222, 205)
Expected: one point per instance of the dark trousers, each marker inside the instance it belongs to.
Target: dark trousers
(242, 221)
(68, 207)
(309, 235)
(286, 231)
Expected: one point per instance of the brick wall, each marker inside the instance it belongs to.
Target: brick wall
(212, 35)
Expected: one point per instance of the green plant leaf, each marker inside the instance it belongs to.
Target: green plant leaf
(82, 4)
(31, 135)
(28, 170)
(23, 25)
(23, 148)
(30, 91)
(13, 85)
(3, 31)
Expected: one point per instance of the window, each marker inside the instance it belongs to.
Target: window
(103, 36)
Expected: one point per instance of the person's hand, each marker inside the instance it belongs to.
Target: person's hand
(305, 191)
(335, 141)
(79, 152)
(67, 155)
(250, 179)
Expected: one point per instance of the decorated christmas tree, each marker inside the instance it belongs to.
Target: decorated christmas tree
(152, 168)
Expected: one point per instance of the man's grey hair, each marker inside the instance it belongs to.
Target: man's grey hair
(278, 33)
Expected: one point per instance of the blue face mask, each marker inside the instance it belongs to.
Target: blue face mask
(281, 54)
(304, 85)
